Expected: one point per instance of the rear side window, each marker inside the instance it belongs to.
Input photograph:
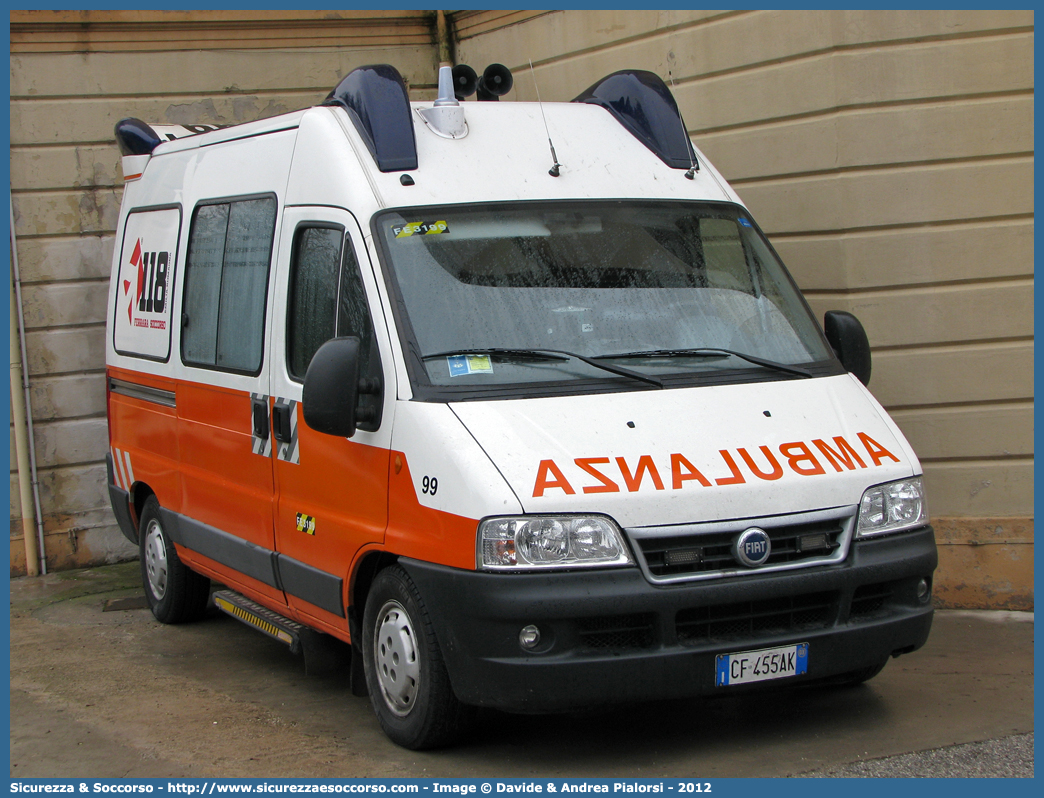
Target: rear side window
(226, 284)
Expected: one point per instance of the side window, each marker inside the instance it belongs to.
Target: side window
(312, 315)
(353, 318)
(353, 314)
(226, 284)
(327, 299)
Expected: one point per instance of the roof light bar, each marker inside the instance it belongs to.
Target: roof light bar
(643, 104)
(135, 137)
(376, 99)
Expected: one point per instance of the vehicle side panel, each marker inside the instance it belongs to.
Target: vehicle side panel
(143, 438)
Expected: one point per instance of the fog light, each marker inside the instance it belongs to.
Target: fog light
(529, 637)
(924, 590)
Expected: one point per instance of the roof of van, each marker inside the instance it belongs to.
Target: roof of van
(187, 140)
(504, 156)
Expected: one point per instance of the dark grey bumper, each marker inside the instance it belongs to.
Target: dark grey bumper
(610, 636)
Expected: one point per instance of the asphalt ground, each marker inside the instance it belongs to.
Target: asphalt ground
(100, 689)
(1007, 758)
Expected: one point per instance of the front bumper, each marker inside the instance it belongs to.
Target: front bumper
(610, 635)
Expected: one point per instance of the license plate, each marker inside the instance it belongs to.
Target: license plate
(757, 666)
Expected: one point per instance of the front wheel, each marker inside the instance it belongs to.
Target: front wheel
(175, 593)
(409, 687)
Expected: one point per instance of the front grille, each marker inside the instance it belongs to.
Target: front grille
(748, 619)
(617, 632)
(870, 599)
(681, 555)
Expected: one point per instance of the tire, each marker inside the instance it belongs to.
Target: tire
(175, 593)
(405, 673)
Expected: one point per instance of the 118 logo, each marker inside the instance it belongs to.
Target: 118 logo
(151, 293)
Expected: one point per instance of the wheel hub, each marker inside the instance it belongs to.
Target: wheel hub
(396, 658)
(156, 559)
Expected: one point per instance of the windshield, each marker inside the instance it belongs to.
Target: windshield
(543, 292)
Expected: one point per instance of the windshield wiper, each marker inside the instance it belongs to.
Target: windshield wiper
(547, 354)
(707, 351)
(504, 352)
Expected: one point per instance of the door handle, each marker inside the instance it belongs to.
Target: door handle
(260, 417)
(281, 423)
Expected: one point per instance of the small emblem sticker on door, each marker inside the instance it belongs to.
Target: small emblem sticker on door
(306, 524)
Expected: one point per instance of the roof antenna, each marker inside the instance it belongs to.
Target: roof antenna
(554, 170)
(691, 174)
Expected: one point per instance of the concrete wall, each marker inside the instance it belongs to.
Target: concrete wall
(888, 154)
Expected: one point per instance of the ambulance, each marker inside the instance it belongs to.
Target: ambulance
(513, 404)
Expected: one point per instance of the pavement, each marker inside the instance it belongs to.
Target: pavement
(100, 689)
(1007, 758)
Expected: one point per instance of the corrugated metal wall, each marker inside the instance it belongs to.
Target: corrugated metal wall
(889, 155)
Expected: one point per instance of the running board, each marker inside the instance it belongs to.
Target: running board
(264, 620)
(322, 653)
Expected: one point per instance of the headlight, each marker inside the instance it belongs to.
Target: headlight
(568, 541)
(892, 508)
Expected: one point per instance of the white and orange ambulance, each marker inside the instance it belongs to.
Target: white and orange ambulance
(515, 398)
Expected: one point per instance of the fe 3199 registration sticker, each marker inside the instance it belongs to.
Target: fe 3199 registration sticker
(419, 229)
(757, 666)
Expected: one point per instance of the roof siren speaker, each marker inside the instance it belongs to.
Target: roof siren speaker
(495, 82)
(465, 81)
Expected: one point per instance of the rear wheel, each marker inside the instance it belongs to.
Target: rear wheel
(409, 687)
(175, 593)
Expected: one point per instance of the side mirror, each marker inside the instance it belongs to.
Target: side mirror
(332, 388)
(846, 335)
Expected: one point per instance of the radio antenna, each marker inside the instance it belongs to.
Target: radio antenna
(694, 167)
(554, 170)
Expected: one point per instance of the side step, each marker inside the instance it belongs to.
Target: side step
(264, 620)
(323, 654)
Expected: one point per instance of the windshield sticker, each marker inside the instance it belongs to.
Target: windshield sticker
(462, 365)
(744, 221)
(419, 229)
